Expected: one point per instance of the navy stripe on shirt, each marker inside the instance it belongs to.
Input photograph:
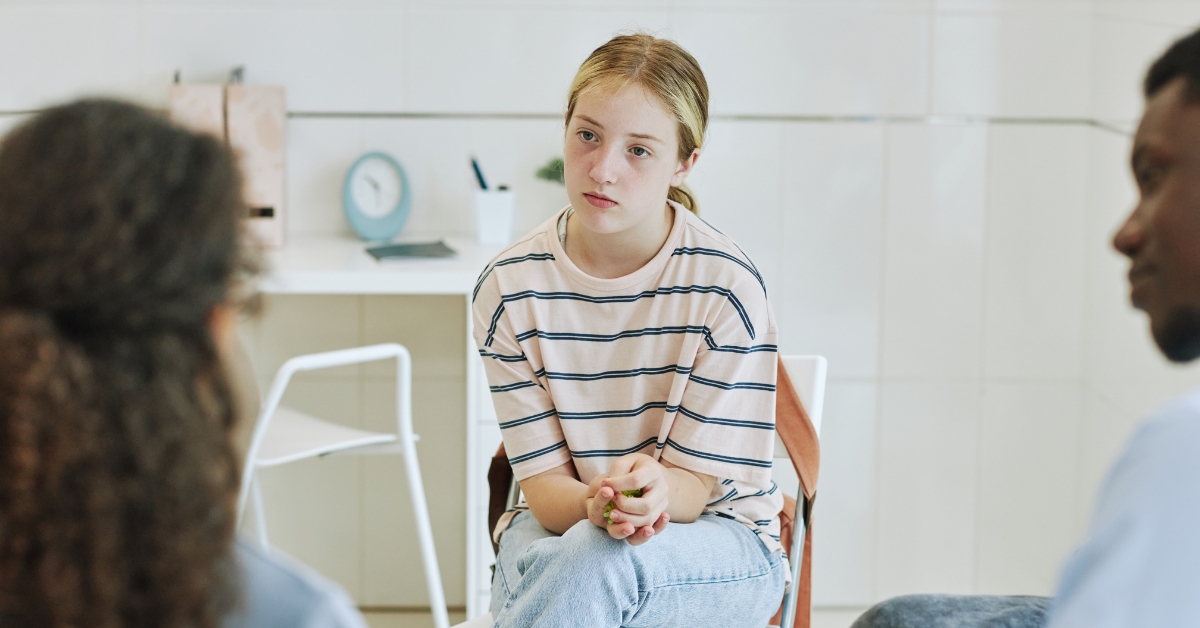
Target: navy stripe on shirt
(506, 262)
(625, 298)
(613, 453)
(511, 387)
(728, 496)
(700, 418)
(695, 250)
(628, 333)
(527, 419)
(717, 457)
(503, 358)
(647, 331)
(541, 452)
(771, 491)
(744, 350)
(588, 377)
(609, 414)
(734, 386)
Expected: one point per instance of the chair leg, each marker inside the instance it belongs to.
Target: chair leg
(260, 513)
(416, 489)
(795, 564)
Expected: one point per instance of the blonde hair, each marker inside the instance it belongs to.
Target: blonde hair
(666, 70)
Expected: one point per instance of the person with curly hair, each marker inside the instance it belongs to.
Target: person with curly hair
(120, 262)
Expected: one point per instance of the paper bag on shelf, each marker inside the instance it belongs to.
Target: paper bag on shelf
(199, 107)
(256, 125)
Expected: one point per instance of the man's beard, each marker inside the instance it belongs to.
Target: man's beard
(1179, 338)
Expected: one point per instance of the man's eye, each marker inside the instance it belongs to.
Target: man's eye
(1148, 176)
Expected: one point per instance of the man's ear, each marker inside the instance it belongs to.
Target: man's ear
(685, 168)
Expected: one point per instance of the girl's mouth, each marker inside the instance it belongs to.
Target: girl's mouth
(599, 200)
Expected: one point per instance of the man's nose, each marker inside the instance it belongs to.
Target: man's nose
(1130, 237)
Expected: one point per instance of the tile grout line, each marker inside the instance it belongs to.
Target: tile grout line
(984, 266)
(877, 445)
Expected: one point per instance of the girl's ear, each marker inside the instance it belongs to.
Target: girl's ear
(685, 168)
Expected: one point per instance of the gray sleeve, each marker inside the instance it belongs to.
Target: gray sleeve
(278, 592)
(1140, 564)
(335, 610)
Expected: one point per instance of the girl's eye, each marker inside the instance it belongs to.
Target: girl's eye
(638, 151)
(587, 136)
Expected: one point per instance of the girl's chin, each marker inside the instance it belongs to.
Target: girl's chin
(602, 221)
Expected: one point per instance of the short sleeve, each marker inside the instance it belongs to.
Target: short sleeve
(726, 419)
(533, 437)
(1138, 566)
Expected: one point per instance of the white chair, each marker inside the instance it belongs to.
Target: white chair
(807, 373)
(283, 435)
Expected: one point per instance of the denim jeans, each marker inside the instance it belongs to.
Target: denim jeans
(712, 572)
(957, 611)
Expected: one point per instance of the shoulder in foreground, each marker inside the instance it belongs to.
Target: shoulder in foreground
(1161, 461)
(1174, 427)
(278, 592)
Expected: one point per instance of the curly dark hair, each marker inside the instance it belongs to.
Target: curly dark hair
(119, 235)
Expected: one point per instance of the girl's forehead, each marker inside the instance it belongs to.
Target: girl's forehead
(627, 105)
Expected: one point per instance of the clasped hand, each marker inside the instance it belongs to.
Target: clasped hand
(635, 519)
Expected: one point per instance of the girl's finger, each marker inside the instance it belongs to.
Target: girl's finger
(620, 530)
(599, 502)
(635, 519)
(644, 505)
(638, 478)
(662, 522)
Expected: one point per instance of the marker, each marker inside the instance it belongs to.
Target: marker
(478, 173)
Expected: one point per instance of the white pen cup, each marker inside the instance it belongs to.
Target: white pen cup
(494, 216)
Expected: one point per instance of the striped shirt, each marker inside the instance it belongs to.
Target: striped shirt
(676, 361)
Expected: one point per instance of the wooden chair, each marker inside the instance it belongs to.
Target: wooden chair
(800, 400)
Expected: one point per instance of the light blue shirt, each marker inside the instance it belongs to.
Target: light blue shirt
(279, 593)
(1140, 564)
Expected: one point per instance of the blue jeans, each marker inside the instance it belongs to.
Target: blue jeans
(957, 611)
(712, 572)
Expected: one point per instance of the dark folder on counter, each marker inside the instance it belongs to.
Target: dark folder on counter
(412, 249)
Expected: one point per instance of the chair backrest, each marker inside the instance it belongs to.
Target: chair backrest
(807, 373)
(808, 377)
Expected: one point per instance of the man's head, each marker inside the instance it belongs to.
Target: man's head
(1161, 236)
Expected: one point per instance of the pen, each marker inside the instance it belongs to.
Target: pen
(478, 173)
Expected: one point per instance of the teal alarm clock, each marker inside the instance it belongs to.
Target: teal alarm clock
(376, 197)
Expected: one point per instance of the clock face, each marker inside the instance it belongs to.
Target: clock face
(376, 187)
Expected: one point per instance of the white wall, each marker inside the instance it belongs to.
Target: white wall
(921, 181)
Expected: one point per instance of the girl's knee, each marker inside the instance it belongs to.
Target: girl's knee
(583, 548)
(585, 538)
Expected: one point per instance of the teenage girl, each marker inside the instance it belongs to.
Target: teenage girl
(629, 345)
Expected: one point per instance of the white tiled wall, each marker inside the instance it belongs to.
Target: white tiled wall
(955, 269)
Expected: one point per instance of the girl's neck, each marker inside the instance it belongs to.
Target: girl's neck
(613, 255)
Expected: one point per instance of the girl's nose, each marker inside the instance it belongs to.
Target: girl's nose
(605, 168)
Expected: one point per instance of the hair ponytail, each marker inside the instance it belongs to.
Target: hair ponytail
(685, 197)
(666, 70)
